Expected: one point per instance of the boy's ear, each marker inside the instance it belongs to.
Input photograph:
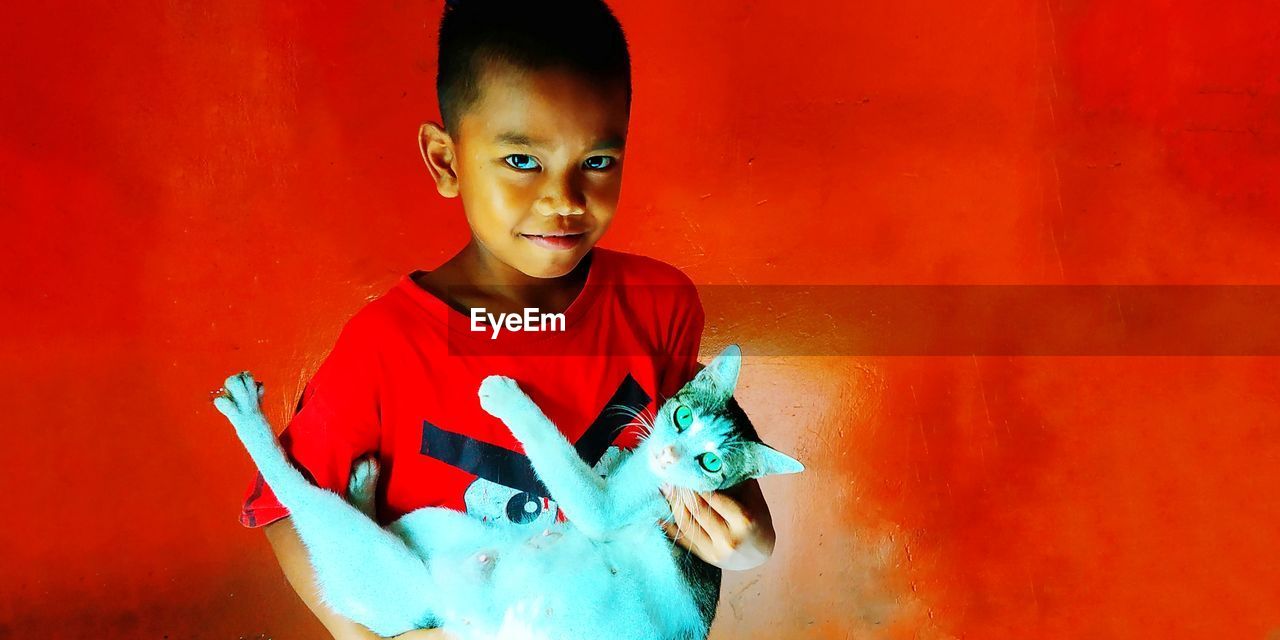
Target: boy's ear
(436, 146)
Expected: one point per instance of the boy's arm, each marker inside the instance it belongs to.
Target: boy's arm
(293, 559)
(731, 529)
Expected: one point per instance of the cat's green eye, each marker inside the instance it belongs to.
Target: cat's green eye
(683, 417)
(710, 462)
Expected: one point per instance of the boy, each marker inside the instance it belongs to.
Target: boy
(535, 99)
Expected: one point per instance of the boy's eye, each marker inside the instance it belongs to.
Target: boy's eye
(521, 161)
(710, 462)
(598, 163)
(683, 417)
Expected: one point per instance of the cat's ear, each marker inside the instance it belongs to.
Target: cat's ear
(721, 376)
(769, 461)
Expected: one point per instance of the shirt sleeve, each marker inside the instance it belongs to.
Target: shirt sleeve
(336, 422)
(684, 339)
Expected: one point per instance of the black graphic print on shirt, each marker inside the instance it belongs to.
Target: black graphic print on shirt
(506, 488)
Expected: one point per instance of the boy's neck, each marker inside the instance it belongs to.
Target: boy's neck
(474, 278)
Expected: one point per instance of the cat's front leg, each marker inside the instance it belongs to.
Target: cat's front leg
(503, 399)
(578, 489)
(363, 571)
(239, 400)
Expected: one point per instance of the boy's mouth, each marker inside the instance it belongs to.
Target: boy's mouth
(557, 241)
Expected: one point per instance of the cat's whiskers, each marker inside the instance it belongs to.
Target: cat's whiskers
(624, 409)
(645, 422)
(699, 503)
(679, 532)
(640, 417)
(685, 497)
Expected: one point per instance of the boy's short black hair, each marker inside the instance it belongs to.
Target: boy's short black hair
(582, 36)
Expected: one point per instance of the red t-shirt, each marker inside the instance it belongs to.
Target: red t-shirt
(401, 383)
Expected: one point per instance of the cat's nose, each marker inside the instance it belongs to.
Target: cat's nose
(668, 456)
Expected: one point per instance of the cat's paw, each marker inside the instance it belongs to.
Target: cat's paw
(240, 398)
(501, 396)
(364, 475)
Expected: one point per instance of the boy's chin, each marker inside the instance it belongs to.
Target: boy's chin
(549, 273)
(546, 268)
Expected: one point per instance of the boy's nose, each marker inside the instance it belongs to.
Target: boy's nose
(560, 207)
(561, 195)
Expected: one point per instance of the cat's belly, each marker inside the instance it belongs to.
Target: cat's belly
(581, 588)
(500, 582)
(543, 557)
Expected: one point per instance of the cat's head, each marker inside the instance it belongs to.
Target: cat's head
(702, 439)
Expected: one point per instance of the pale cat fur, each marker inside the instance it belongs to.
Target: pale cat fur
(609, 572)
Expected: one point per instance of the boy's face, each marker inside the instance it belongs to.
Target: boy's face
(539, 166)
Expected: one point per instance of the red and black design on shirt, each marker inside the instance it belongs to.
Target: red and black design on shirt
(402, 377)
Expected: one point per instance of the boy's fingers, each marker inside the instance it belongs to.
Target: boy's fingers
(729, 510)
(680, 515)
(694, 538)
(672, 532)
(680, 512)
(682, 540)
(707, 517)
(688, 531)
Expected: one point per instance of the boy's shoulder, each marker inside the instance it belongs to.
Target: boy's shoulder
(380, 316)
(651, 290)
(632, 269)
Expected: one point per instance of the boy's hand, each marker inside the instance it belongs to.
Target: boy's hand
(730, 529)
(425, 634)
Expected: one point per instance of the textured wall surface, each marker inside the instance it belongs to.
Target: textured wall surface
(192, 189)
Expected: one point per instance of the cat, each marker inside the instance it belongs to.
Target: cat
(608, 571)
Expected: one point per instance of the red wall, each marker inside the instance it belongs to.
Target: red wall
(192, 189)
